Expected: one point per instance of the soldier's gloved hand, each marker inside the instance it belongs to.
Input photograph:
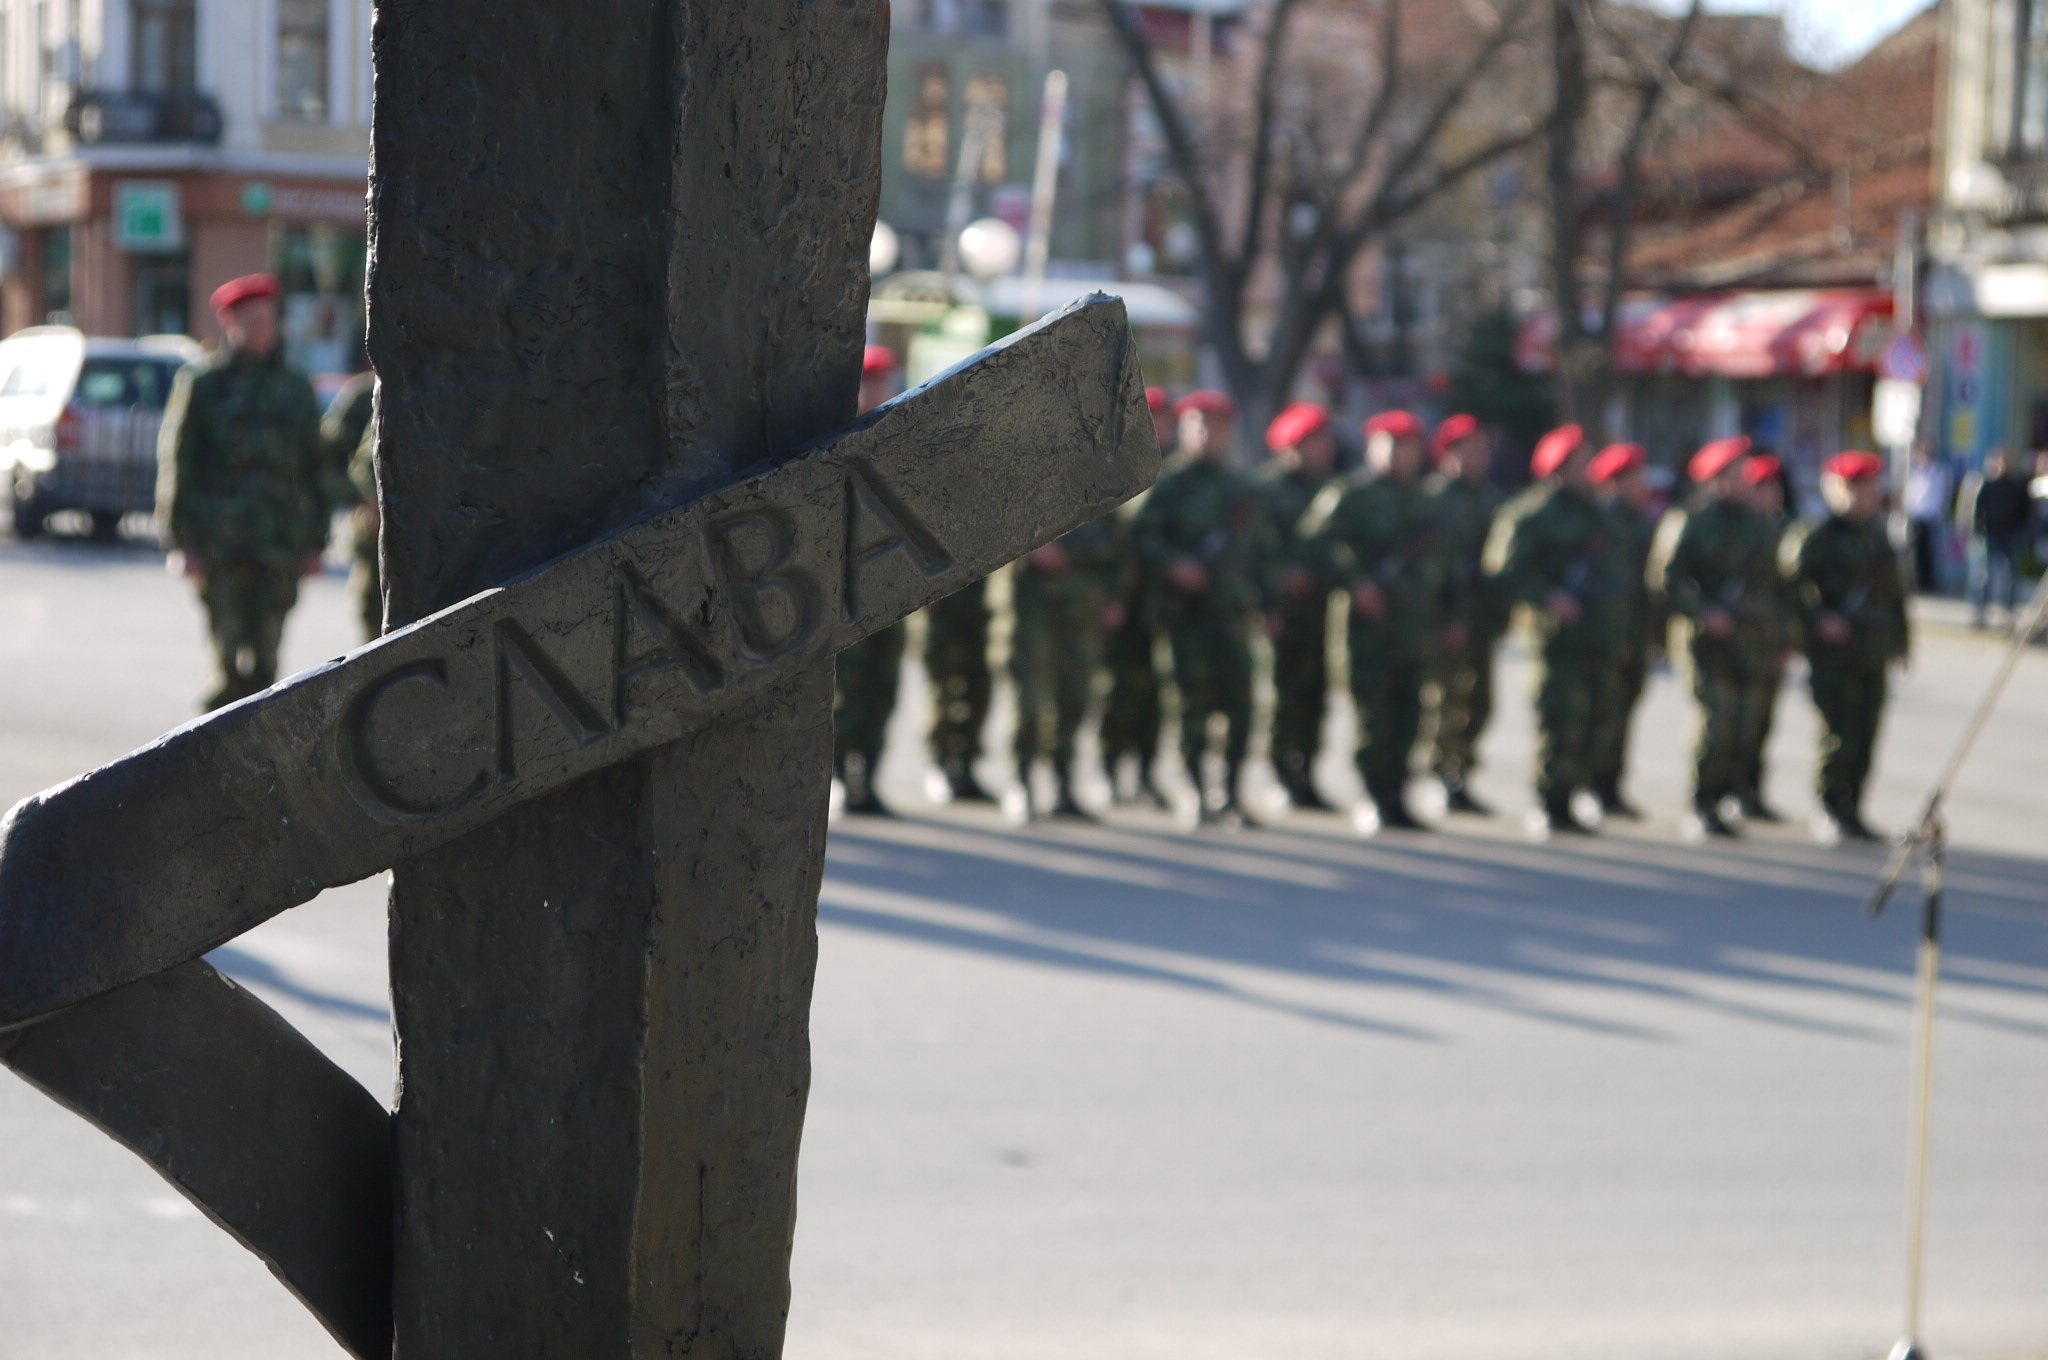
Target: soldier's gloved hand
(1113, 616)
(1298, 581)
(1717, 623)
(1189, 575)
(1050, 557)
(1275, 626)
(1564, 606)
(1833, 628)
(1369, 600)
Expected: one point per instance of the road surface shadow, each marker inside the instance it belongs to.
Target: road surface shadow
(1309, 920)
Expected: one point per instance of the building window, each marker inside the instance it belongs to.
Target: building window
(988, 96)
(928, 136)
(2030, 84)
(302, 60)
(981, 18)
(54, 257)
(165, 48)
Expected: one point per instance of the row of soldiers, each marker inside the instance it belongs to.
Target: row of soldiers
(1425, 566)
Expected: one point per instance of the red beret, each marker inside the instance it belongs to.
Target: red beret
(1761, 468)
(1716, 456)
(1617, 460)
(1451, 431)
(1553, 448)
(1155, 398)
(1854, 466)
(1208, 401)
(240, 290)
(1296, 423)
(877, 359)
(1398, 423)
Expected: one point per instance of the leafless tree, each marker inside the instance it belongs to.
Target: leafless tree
(1321, 157)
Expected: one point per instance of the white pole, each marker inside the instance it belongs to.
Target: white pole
(1045, 186)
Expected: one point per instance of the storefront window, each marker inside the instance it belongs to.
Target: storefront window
(928, 135)
(164, 55)
(989, 94)
(302, 60)
(320, 267)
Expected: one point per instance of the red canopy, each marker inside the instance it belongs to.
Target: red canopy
(1779, 333)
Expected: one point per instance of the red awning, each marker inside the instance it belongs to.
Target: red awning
(1779, 333)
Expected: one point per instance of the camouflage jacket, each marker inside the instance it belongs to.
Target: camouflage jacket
(1285, 494)
(1719, 556)
(1201, 509)
(1375, 529)
(1841, 567)
(1633, 533)
(1091, 580)
(1464, 511)
(342, 431)
(1555, 538)
(242, 474)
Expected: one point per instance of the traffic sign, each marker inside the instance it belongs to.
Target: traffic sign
(1904, 358)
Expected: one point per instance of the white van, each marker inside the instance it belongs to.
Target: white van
(79, 417)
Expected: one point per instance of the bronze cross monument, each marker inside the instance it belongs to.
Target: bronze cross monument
(617, 305)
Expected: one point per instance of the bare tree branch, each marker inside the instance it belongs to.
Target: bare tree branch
(1621, 213)
(1263, 133)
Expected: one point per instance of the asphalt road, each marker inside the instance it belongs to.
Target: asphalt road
(1126, 1092)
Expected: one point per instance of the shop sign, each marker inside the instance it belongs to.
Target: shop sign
(55, 200)
(256, 198)
(146, 216)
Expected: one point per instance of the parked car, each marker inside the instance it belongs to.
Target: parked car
(79, 417)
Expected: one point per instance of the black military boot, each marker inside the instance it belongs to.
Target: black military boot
(1555, 818)
(1392, 803)
(959, 772)
(1607, 793)
(860, 789)
(1705, 822)
(1066, 805)
(1755, 809)
(1458, 797)
(1301, 785)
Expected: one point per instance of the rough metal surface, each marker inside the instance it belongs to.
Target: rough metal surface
(608, 653)
(264, 1133)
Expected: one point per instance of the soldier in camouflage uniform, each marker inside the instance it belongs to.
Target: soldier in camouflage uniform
(1459, 694)
(1130, 716)
(1621, 471)
(1066, 597)
(1376, 540)
(1297, 600)
(1852, 610)
(1769, 644)
(1717, 565)
(1554, 550)
(1200, 543)
(242, 485)
(347, 439)
(866, 674)
(956, 661)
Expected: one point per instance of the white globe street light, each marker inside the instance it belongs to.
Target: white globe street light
(883, 250)
(990, 248)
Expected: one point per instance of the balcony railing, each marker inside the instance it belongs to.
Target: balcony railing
(99, 116)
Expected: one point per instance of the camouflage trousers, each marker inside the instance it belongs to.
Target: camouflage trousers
(1386, 687)
(1759, 707)
(1130, 717)
(956, 659)
(1850, 697)
(1608, 757)
(1301, 686)
(1725, 688)
(246, 603)
(364, 577)
(1459, 703)
(1053, 660)
(866, 675)
(1212, 668)
(1571, 687)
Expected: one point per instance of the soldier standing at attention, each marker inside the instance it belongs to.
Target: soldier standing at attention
(1376, 540)
(1852, 608)
(1768, 644)
(1557, 555)
(1199, 541)
(1066, 599)
(1130, 716)
(1717, 565)
(347, 440)
(1621, 471)
(1297, 600)
(242, 485)
(867, 672)
(1462, 499)
(956, 661)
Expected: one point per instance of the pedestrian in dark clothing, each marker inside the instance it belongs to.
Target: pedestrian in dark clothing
(1926, 502)
(1997, 512)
